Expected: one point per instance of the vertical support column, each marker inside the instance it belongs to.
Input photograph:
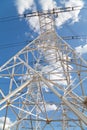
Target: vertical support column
(64, 122)
(46, 23)
(38, 96)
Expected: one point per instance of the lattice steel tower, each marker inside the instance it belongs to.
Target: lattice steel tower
(45, 85)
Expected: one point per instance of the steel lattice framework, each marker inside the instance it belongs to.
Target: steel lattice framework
(45, 85)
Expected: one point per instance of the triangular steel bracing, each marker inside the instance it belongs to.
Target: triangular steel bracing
(45, 87)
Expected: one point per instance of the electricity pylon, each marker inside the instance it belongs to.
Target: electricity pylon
(45, 85)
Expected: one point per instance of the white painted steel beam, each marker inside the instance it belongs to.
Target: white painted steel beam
(67, 103)
(16, 91)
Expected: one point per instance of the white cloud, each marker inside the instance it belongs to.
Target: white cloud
(73, 15)
(71, 3)
(81, 49)
(49, 107)
(23, 5)
(7, 125)
(48, 4)
(29, 34)
(34, 23)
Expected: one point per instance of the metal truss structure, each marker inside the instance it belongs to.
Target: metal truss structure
(45, 85)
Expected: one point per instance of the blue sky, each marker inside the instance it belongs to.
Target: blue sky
(15, 34)
(19, 31)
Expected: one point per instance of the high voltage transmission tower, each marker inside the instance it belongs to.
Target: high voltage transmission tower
(45, 85)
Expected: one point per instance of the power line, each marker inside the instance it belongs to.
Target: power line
(39, 13)
(14, 44)
(25, 42)
(74, 37)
